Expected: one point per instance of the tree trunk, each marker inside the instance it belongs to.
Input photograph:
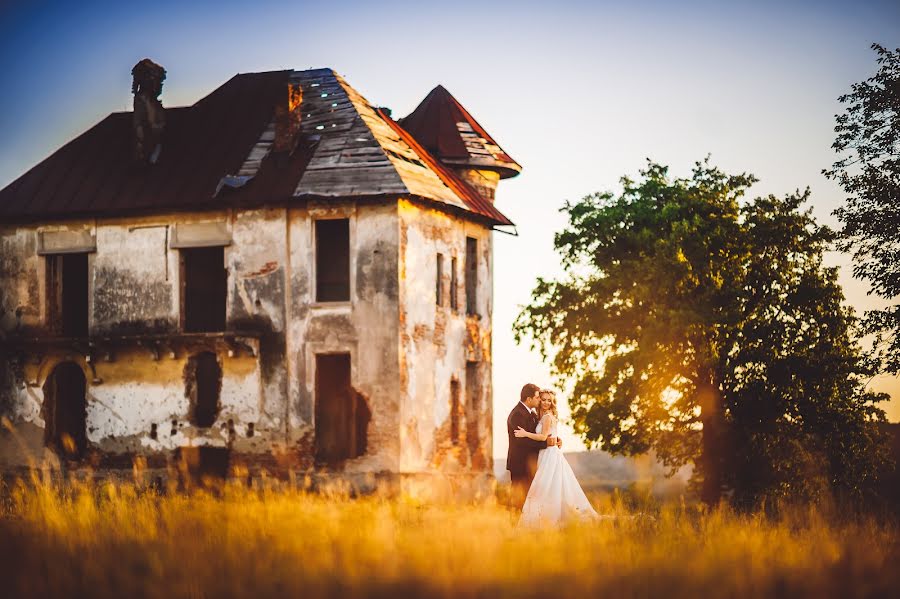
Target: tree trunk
(711, 417)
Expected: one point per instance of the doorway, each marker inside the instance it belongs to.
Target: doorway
(65, 411)
(342, 414)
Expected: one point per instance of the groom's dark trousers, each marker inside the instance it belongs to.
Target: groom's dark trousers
(521, 458)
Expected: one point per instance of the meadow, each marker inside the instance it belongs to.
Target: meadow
(276, 539)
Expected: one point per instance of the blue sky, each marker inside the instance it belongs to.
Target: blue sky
(579, 93)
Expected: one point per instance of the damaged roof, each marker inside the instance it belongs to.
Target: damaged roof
(446, 129)
(219, 152)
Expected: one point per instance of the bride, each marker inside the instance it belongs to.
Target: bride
(555, 496)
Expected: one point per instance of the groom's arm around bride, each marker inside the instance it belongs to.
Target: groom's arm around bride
(521, 458)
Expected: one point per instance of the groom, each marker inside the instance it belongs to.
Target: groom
(521, 458)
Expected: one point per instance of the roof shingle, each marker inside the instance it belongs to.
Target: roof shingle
(347, 149)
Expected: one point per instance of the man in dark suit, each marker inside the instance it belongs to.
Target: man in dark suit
(521, 458)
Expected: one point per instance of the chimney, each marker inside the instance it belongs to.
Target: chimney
(149, 117)
(287, 121)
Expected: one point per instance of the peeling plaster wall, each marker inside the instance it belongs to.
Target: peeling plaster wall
(21, 278)
(436, 342)
(136, 393)
(403, 350)
(134, 279)
(134, 291)
(365, 327)
(257, 263)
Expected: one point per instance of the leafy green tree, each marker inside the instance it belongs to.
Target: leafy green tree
(709, 330)
(868, 141)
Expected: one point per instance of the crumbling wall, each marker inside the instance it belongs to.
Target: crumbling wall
(437, 342)
(20, 280)
(257, 265)
(137, 397)
(134, 278)
(365, 327)
(21, 313)
(137, 405)
(135, 366)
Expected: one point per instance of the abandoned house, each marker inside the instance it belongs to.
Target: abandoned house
(280, 274)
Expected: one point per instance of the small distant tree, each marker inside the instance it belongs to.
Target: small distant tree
(710, 331)
(868, 143)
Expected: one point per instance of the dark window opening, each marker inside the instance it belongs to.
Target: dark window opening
(67, 294)
(471, 275)
(203, 289)
(454, 411)
(439, 281)
(473, 407)
(204, 386)
(342, 414)
(454, 301)
(333, 260)
(65, 411)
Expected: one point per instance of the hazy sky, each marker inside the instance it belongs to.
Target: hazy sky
(579, 93)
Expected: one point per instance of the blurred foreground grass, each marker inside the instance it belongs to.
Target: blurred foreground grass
(117, 540)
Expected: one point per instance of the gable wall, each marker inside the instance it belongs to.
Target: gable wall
(436, 342)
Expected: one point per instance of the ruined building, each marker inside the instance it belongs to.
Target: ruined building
(280, 274)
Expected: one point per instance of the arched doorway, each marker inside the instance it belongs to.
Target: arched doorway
(65, 411)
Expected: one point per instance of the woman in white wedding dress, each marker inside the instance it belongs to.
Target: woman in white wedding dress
(555, 496)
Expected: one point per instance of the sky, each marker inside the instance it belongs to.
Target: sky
(579, 93)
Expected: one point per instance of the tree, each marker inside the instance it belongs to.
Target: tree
(709, 331)
(868, 141)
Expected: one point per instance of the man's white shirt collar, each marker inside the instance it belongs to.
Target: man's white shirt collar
(530, 410)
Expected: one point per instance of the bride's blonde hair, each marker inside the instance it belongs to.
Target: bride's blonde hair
(549, 394)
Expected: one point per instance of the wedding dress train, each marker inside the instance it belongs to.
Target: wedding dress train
(555, 496)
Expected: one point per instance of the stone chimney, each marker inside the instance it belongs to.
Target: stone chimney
(287, 121)
(149, 117)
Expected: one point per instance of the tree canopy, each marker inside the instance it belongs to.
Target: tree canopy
(868, 143)
(706, 327)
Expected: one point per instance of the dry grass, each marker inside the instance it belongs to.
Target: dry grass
(115, 540)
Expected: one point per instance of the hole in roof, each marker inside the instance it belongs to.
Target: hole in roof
(324, 94)
(334, 104)
(334, 124)
(315, 85)
(320, 127)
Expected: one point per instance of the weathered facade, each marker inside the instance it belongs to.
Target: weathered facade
(280, 272)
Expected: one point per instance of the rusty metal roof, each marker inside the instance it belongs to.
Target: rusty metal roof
(472, 198)
(446, 129)
(94, 173)
(347, 149)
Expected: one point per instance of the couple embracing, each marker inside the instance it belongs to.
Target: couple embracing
(540, 474)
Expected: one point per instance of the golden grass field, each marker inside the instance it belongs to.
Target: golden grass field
(117, 540)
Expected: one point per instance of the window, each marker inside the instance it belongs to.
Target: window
(203, 289)
(471, 275)
(439, 282)
(473, 407)
(454, 411)
(67, 294)
(342, 415)
(333, 260)
(204, 387)
(454, 301)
